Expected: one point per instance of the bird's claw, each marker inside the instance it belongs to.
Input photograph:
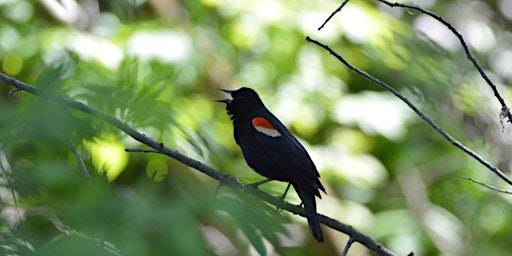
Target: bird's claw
(280, 206)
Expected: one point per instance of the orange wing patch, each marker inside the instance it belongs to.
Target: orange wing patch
(264, 126)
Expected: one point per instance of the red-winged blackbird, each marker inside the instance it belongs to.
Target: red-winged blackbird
(272, 151)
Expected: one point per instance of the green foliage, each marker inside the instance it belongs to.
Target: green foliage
(157, 65)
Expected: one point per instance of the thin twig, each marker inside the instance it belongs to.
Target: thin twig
(333, 13)
(347, 246)
(416, 110)
(5, 166)
(141, 150)
(68, 231)
(487, 186)
(13, 91)
(505, 110)
(80, 161)
(504, 106)
(227, 180)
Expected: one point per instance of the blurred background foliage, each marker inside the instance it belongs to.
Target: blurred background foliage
(157, 65)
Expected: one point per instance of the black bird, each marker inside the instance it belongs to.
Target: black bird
(272, 151)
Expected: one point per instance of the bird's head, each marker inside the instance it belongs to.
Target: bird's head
(244, 102)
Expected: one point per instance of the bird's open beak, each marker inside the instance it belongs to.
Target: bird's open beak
(227, 91)
(227, 101)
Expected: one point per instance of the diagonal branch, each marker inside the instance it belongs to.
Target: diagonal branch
(505, 110)
(425, 118)
(487, 186)
(80, 161)
(225, 179)
(333, 13)
(347, 246)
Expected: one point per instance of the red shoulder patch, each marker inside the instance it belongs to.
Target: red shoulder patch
(264, 126)
(262, 122)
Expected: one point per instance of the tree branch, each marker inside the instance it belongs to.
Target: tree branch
(487, 186)
(347, 246)
(333, 13)
(68, 231)
(505, 110)
(416, 110)
(141, 150)
(80, 161)
(226, 179)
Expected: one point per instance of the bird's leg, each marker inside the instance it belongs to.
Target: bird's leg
(222, 182)
(281, 198)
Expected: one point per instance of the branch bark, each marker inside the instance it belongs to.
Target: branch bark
(505, 110)
(503, 113)
(422, 115)
(225, 179)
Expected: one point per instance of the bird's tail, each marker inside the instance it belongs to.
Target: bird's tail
(308, 199)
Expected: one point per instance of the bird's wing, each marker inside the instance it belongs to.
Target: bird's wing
(284, 156)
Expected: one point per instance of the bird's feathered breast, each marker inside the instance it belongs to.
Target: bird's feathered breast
(271, 150)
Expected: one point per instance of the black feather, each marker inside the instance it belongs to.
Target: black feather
(280, 158)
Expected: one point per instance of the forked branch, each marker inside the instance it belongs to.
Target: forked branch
(226, 179)
(504, 111)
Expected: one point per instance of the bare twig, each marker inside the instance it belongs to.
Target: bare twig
(466, 49)
(227, 180)
(141, 150)
(505, 110)
(6, 169)
(13, 91)
(333, 13)
(416, 110)
(80, 161)
(487, 186)
(347, 246)
(68, 231)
